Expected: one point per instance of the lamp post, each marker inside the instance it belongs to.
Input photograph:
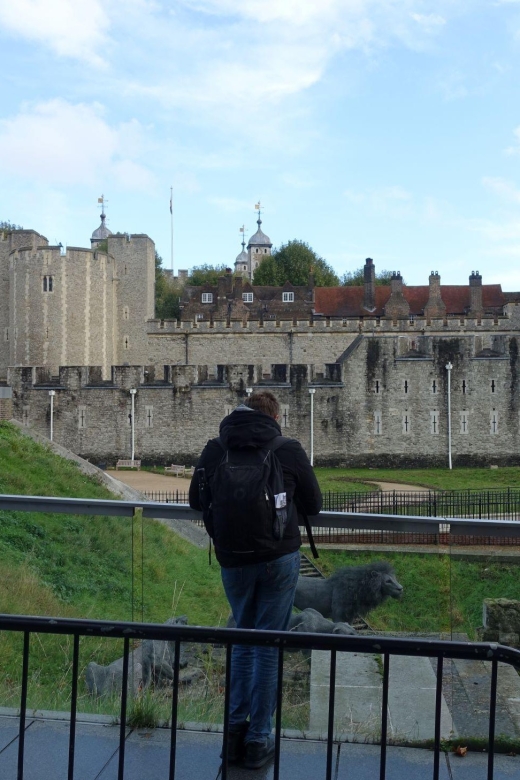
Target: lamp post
(133, 391)
(448, 369)
(249, 390)
(311, 393)
(52, 393)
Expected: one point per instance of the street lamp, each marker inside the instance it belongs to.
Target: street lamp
(52, 393)
(133, 391)
(448, 369)
(249, 390)
(311, 393)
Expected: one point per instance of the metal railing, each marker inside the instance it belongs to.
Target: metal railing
(385, 647)
(470, 503)
(282, 641)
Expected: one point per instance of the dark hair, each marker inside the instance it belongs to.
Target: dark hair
(264, 401)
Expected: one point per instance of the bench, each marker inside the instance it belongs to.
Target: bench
(128, 464)
(176, 470)
(189, 471)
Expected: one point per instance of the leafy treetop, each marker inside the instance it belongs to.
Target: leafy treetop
(356, 278)
(294, 262)
(168, 293)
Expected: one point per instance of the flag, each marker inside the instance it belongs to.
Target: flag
(257, 205)
(100, 200)
(242, 229)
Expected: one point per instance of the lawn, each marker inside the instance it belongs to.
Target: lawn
(441, 479)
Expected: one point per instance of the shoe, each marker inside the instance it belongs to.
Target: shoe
(259, 753)
(235, 745)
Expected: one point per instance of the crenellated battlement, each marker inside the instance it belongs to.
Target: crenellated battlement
(178, 377)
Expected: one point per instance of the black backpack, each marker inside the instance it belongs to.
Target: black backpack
(245, 502)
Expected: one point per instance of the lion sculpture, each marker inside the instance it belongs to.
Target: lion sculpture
(312, 622)
(149, 664)
(352, 591)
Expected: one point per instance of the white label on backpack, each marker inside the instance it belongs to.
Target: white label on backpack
(280, 500)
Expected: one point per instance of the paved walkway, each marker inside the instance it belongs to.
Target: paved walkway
(147, 756)
(145, 481)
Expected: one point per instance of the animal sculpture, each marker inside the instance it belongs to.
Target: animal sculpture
(351, 591)
(312, 622)
(150, 663)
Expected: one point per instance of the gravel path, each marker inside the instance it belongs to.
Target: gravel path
(146, 481)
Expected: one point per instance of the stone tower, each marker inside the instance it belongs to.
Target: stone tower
(258, 248)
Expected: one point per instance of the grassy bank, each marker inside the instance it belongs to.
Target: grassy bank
(441, 479)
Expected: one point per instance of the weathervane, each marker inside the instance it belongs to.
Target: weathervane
(243, 231)
(258, 207)
(102, 201)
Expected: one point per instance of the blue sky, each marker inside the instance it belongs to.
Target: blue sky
(381, 128)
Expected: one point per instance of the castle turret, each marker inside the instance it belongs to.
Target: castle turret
(242, 260)
(259, 247)
(102, 232)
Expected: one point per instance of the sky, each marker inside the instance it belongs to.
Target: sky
(368, 128)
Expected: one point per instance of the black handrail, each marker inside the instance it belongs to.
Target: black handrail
(387, 646)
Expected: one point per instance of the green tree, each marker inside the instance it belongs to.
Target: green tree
(356, 278)
(206, 274)
(294, 262)
(6, 226)
(168, 293)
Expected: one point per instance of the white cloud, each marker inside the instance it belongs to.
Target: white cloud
(64, 144)
(431, 23)
(516, 148)
(392, 201)
(231, 205)
(505, 189)
(71, 28)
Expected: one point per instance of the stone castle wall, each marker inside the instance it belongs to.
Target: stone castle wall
(81, 307)
(384, 404)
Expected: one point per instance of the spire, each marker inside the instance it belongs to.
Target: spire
(102, 231)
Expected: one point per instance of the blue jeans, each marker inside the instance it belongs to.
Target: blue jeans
(261, 596)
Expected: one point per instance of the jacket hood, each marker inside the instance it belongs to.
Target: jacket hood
(246, 427)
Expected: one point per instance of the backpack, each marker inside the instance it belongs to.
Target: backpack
(245, 502)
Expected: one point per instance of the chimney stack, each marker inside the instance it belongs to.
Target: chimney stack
(397, 305)
(475, 294)
(369, 276)
(435, 306)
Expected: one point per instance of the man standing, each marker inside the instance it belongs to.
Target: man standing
(259, 570)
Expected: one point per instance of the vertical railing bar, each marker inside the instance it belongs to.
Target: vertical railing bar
(124, 698)
(175, 708)
(278, 720)
(332, 703)
(384, 715)
(492, 717)
(23, 704)
(438, 712)
(73, 706)
(227, 695)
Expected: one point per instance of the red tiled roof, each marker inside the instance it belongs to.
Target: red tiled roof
(348, 301)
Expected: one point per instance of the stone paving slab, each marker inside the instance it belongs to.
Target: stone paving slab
(147, 755)
(473, 766)
(9, 730)
(411, 700)
(361, 762)
(47, 751)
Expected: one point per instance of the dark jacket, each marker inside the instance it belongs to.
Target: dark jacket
(246, 427)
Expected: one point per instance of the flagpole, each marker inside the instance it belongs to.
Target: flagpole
(171, 225)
